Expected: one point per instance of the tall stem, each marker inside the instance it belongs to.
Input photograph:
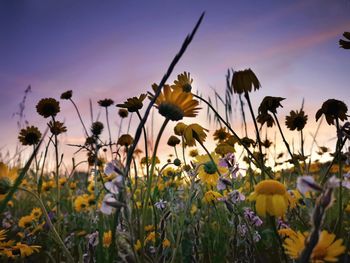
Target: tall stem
(146, 145)
(109, 132)
(261, 156)
(58, 194)
(80, 118)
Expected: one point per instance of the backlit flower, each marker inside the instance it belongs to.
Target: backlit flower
(105, 103)
(29, 136)
(57, 127)
(208, 170)
(212, 196)
(194, 132)
(244, 81)
(333, 109)
(328, 249)
(183, 82)
(48, 107)
(133, 104)
(67, 95)
(270, 104)
(125, 140)
(173, 141)
(271, 197)
(174, 104)
(179, 128)
(296, 120)
(107, 239)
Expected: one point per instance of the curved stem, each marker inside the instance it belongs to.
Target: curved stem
(49, 222)
(109, 132)
(261, 156)
(146, 144)
(80, 118)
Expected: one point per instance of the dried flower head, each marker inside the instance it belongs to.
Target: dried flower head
(133, 104)
(244, 81)
(29, 136)
(57, 127)
(125, 140)
(296, 120)
(173, 141)
(333, 109)
(96, 128)
(48, 107)
(105, 103)
(123, 113)
(270, 104)
(67, 95)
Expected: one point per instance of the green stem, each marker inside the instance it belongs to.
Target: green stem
(109, 132)
(51, 226)
(80, 118)
(146, 145)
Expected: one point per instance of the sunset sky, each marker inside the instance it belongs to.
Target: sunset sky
(117, 49)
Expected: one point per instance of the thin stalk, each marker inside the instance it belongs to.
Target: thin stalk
(246, 95)
(109, 132)
(340, 193)
(208, 153)
(80, 118)
(58, 190)
(146, 144)
(51, 226)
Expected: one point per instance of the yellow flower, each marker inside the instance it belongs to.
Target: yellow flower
(26, 221)
(62, 181)
(193, 209)
(208, 171)
(7, 176)
(72, 185)
(221, 134)
(91, 187)
(286, 232)
(166, 243)
(243, 81)
(151, 237)
(2, 234)
(137, 245)
(183, 82)
(81, 203)
(107, 239)
(36, 213)
(179, 128)
(174, 104)
(211, 196)
(271, 197)
(47, 186)
(26, 250)
(194, 132)
(326, 250)
(133, 104)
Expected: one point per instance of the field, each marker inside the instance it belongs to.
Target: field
(235, 202)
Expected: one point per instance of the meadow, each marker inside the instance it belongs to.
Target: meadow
(235, 202)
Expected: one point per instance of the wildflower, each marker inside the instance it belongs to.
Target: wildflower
(81, 203)
(47, 186)
(166, 243)
(96, 128)
(2, 234)
(194, 132)
(208, 170)
(105, 103)
(220, 134)
(271, 197)
(242, 230)
(173, 141)
(345, 43)
(109, 202)
(67, 95)
(296, 120)
(223, 183)
(62, 181)
(327, 249)
(57, 127)
(256, 237)
(123, 113)
(236, 197)
(224, 148)
(252, 218)
(174, 104)
(29, 136)
(265, 117)
(247, 142)
(211, 196)
(48, 107)
(306, 184)
(115, 184)
(26, 221)
(149, 228)
(91, 187)
(243, 81)
(133, 104)
(179, 128)
(193, 153)
(125, 140)
(286, 232)
(5, 185)
(72, 185)
(271, 104)
(333, 109)
(137, 245)
(26, 250)
(151, 237)
(36, 213)
(183, 82)
(107, 239)
(161, 205)
(93, 239)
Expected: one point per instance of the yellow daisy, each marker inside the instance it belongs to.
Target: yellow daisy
(208, 171)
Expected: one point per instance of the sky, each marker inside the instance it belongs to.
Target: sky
(117, 49)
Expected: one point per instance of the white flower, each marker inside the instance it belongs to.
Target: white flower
(306, 184)
(108, 204)
(161, 204)
(113, 167)
(115, 184)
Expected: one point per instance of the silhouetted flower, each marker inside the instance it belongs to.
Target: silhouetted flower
(48, 107)
(57, 127)
(243, 81)
(173, 141)
(345, 43)
(183, 82)
(332, 109)
(123, 113)
(265, 117)
(29, 136)
(271, 104)
(133, 104)
(125, 140)
(96, 128)
(296, 120)
(67, 95)
(105, 103)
